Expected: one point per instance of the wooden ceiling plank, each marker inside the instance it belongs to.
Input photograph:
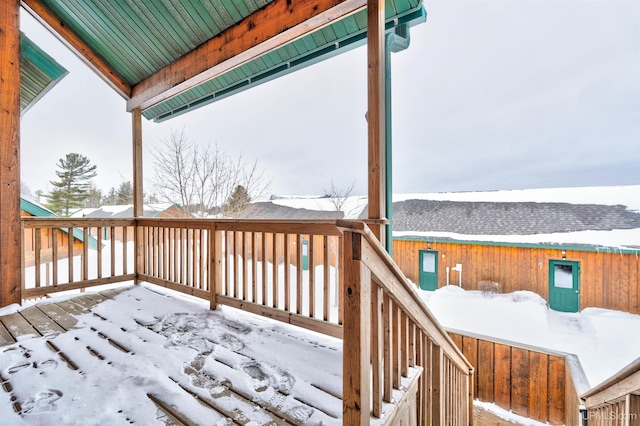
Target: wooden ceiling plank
(73, 42)
(271, 27)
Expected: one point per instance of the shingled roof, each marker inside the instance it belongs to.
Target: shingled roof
(509, 218)
(269, 210)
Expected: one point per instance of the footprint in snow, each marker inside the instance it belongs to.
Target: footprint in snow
(259, 379)
(14, 369)
(41, 402)
(231, 342)
(300, 413)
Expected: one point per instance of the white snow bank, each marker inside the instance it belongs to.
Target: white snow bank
(605, 341)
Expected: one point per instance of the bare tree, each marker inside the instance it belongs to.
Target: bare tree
(338, 197)
(202, 180)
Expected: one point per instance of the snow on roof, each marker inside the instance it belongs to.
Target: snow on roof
(627, 195)
(351, 207)
(606, 234)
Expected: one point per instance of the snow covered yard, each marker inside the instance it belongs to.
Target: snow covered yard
(605, 341)
(146, 356)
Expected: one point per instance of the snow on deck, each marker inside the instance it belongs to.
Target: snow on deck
(143, 357)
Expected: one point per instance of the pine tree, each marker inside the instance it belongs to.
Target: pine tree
(73, 185)
(120, 196)
(125, 193)
(94, 197)
(238, 201)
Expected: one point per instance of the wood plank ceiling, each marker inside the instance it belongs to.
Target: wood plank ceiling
(167, 57)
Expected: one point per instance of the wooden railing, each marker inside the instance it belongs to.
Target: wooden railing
(532, 382)
(326, 276)
(285, 270)
(387, 331)
(616, 401)
(70, 254)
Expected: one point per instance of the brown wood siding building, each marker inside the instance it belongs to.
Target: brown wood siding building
(46, 243)
(609, 278)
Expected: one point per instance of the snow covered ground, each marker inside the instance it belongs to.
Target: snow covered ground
(177, 343)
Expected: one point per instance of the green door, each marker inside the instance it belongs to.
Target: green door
(564, 285)
(305, 255)
(428, 270)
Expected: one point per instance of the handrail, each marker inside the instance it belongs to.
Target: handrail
(433, 323)
(388, 329)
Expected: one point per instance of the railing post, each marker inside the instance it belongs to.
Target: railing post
(215, 279)
(437, 382)
(470, 389)
(356, 335)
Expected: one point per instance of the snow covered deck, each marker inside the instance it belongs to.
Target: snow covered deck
(137, 356)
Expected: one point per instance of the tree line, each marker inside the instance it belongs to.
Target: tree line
(203, 181)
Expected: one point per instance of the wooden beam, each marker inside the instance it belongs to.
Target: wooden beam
(10, 236)
(50, 21)
(267, 29)
(376, 113)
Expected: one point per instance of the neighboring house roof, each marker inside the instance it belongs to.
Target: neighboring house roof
(503, 218)
(270, 210)
(126, 211)
(38, 210)
(592, 216)
(39, 72)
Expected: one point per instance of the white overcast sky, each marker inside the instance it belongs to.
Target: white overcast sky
(489, 95)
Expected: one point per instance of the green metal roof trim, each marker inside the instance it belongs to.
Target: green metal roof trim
(558, 246)
(39, 72)
(323, 44)
(39, 211)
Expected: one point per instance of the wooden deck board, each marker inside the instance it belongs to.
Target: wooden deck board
(72, 307)
(41, 322)
(86, 302)
(98, 297)
(5, 336)
(18, 326)
(59, 315)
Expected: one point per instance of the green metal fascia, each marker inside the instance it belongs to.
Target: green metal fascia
(336, 47)
(30, 51)
(559, 246)
(39, 73)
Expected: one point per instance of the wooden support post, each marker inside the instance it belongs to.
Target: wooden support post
(138, 198)
(376, 113)
(10, 236)
(356, 365)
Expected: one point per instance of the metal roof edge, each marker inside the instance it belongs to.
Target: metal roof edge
(33, 53)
